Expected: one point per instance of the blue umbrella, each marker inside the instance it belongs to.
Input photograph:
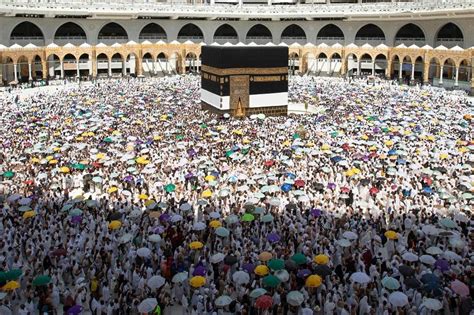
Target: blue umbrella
(428, 190)
(286, 187)
(290, 175)
(392, 152)
(336, 159)
(401, 161)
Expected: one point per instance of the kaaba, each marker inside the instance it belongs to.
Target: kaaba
(244, 81)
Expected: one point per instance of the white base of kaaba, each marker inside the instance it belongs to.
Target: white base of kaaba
(255, 101)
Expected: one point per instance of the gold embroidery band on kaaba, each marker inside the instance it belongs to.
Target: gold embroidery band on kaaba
(241, 71)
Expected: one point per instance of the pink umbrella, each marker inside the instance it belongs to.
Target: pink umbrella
(460, 288)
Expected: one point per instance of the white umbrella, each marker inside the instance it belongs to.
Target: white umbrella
(434, 250)
(217, 258)
(135, 214)
(144, 252)
(215, 215)
(155, 282)
(350, 235)
(282, 275)
(432, 304)
(241, 277)
(457, 242)
(154, 238)
(185, 207)
(295, 298)
(344, 243)
(176, 218)
(199, 226)
(360, 277)
(430, 230)
(223, 301)
(24, 201)
(125, 238)
(427, 259)
(409, 256)
(13, 197)
(180, 277)
(398, 299)
(147, 305)
(450, 255)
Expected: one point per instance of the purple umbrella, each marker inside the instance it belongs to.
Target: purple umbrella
(316, 212)
(442, 265)
(165, 217)
(128, 178)
(303, 273)
(192, 152)
(158, 230)
(273, 237)
(74, 310)
(331, 186)
(200, 271)
(76, 219)
(188, 176)
(248, 267)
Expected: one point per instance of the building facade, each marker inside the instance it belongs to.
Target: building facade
(428, 41)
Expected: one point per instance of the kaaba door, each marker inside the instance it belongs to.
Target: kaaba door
(239, 95)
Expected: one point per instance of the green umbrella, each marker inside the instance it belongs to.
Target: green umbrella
(299, 259)
(296, 136)
(13, 274)
(271, 281)
(266, 218)
(170, 188)
(334, 134)
(276, 264)
(41, 280)
(108, 140)
(179, 137)
(203, 126)
(78, 166)
(8, 174)
(3, 277)
(257, 293)
(248, 217)
(229, 153)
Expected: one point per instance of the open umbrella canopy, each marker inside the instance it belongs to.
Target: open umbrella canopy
(41, 280)
(276, 264)
(271, 281)
(197, 281)
(299, 258)
(313, 281)
(156, 282)
(241, 277)
(321, 259)
(398, 299)
(223, 301)
(256, 293)
(147, 305)
(196, 245)
(390, 283)
(180, 277)
(11, 285)
(295, 298)
(360, 277)
(262, 270)
(264, 302)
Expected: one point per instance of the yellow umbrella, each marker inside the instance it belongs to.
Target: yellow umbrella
(56, 149)
(100, 156)
(389, 143)
(115, 224)
(443, 156)
(265, 256)
(35, 160)
(29, 214)
(391, 235)
(262, 270)
(149, 202)
(215, 224)
(210, 178)
(112, 189)
(49, 157)
(53, 162)
(313, 281)
(246, 141)
(10, 286)
(197, 281)
(115, 132)
(365, 137)
(64, 169)
(310, 144)
(321, 259)
(196, 245)
(373, 148)
(238, 132)
(287, 143)
(349, 173)
(325, 147)
(206, 193)
(142, 160)
(163, 117)
(143, 197)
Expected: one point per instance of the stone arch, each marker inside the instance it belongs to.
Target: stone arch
(131, 64)
(191, 63)
(330, 34)
(352, 64)
(112, 32)
(85, 65)
(27, 32)
(22, 68)
(335, 63)
(36, 67)
(69, 65)
(70, 31)
(53, 64)
(152, 31)
(225, 33)
(293, 34)
(464, 72)
(449, 35)
(191, 32)
(380, 63)
(293, 63)
(434, 69)
(410, 34)
(370, 33)
(449, 69)
(103, 62)
(260, 34)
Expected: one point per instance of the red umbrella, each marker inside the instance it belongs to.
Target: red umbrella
(345, 190)
(96, 164)
(373, 190)
(428, 181)
(269, 163)
(264, 302)
(29, 182)
(346, 147)
(460, 288)
(299, 183)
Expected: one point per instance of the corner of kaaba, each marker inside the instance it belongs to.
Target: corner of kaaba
(244, 81)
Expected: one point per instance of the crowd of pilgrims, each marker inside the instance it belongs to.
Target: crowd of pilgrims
(124, 197)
